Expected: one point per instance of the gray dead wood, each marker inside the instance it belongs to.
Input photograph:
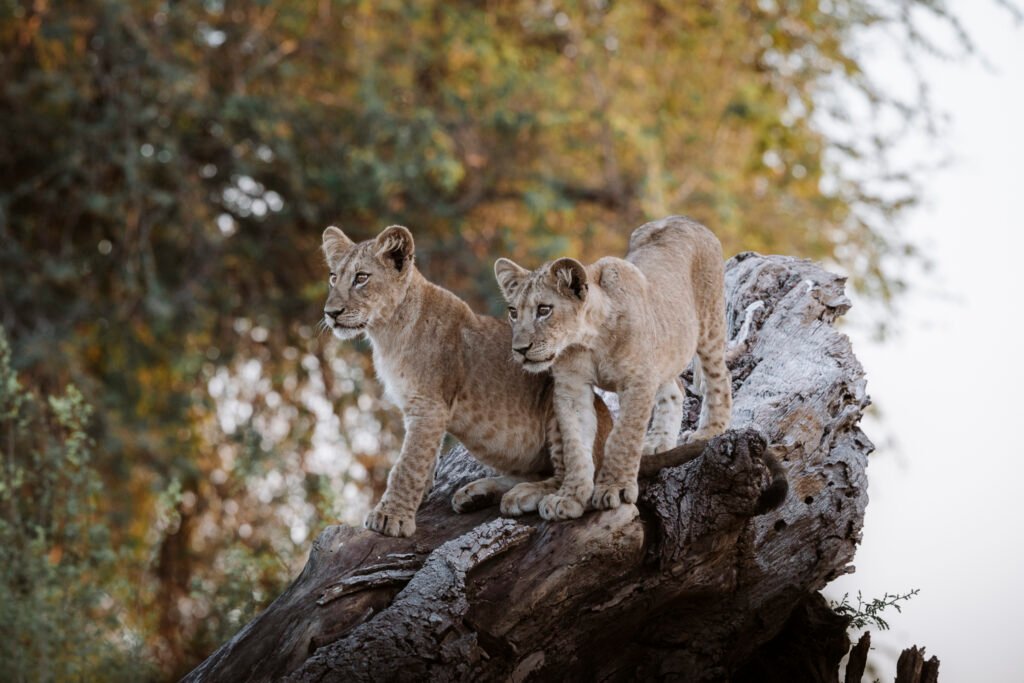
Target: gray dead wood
(685, 586)
(858, 661)
(912, 667)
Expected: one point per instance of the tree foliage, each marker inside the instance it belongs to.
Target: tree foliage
(166, 170)
(59, 579)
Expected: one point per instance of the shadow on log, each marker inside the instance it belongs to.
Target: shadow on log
(687, 585)
(811, 647)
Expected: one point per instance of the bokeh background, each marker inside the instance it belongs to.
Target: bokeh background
(174, 431)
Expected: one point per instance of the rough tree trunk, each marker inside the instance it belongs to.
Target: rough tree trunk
(687, 585)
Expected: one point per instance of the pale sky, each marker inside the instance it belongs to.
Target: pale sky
(945, 512)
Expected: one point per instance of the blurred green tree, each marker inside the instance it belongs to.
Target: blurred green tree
(59, 579)
(166, 170)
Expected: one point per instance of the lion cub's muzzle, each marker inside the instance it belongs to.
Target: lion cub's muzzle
(343, 327)
(532, 362)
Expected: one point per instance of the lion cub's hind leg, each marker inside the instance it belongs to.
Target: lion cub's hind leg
(485, 492)
(712, 375)
(666, 420)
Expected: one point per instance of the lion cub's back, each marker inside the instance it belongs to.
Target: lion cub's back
(671, 240)
(677, 254)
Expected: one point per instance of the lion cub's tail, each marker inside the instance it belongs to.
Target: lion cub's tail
(651, 464)
(771, 498)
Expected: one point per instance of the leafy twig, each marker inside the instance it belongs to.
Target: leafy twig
(869, 613)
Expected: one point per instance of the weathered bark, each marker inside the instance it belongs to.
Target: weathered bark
(913, 668)
(858, 661)
(809, 647)
(687, 585)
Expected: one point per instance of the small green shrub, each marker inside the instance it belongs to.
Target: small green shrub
(58, 566)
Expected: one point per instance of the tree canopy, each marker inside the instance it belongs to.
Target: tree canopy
(166, 170)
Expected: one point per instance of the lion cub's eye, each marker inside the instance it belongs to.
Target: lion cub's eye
(360, 278)
(332, 279)
(513, 314)
(543, 311)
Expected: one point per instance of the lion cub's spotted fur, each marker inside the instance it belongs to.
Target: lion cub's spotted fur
(448, 369)
(630, 326)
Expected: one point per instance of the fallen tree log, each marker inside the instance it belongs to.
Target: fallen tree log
(690, 584)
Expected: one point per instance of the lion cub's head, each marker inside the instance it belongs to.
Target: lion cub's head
(367, 281)
(545, 308)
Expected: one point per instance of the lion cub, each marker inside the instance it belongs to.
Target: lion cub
(448, 369)
(630, 326)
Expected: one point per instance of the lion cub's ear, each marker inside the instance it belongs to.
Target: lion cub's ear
(395, 247)
(334, 242)
(570, 278)
(510, 276)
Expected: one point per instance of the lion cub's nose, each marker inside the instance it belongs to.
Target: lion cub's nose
(521, 350)
(333, 313)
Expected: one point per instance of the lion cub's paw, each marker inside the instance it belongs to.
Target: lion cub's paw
(611, 495)
(525, 497)
(559, 507)
(471, 497)
(658, 443)
(390, 523)
(705, 434)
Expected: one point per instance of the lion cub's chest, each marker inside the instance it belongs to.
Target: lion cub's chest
(397, 387)
(588, 367)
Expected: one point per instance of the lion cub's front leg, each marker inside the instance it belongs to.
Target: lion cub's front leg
(577, 424)
(617, 481)
(395, 514)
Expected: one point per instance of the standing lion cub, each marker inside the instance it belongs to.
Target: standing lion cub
(448, 369)
(630, 326)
